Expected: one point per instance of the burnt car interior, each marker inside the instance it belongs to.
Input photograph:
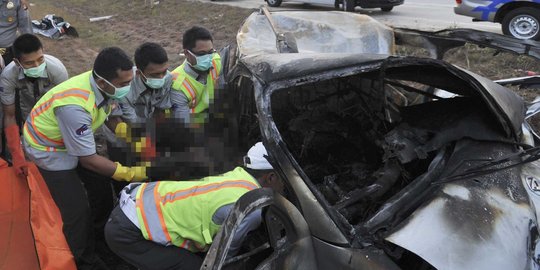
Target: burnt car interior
(368, 139)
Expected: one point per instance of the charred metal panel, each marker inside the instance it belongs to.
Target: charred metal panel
(330, 256)
(475, 223)
(438, 43)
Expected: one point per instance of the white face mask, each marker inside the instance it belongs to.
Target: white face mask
(119, 92)
(155, 83)
(35, 72)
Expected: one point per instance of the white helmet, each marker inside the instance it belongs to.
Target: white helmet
(256, 158)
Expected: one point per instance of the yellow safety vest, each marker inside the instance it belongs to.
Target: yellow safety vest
(199, 95)
(41, 129)
(180, 212)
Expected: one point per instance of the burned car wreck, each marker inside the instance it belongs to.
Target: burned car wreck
(390, 162)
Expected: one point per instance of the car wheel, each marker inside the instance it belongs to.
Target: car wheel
(348, 5)
(387, 9)
(522, 23)
(274, 3)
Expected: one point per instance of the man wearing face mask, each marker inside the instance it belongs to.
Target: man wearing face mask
(59, 139)
(23, 82)
(150, 86)
(194, 80)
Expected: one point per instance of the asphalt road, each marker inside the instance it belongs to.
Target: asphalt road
(416, 14)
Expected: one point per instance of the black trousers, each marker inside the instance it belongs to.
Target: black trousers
(72, 190)
(127, 241)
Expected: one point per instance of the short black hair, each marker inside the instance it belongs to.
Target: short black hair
(150, 52)
(257, 173)
(26, 43)
(193, 34)
(109, 61)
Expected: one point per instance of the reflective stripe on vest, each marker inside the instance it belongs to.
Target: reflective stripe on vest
(38, 137)
(151, 207)
(41, 129)
(199, 95)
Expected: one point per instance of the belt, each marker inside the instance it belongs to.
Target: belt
(127, 202)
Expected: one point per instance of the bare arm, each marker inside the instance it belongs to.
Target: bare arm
(112, 122)
(9, 115)
(99, 164)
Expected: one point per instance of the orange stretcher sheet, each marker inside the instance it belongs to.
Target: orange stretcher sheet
(30, 224)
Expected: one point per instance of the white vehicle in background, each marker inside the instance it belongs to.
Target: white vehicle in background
(519, 18)
(347, 5)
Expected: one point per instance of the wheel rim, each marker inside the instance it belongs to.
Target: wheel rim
(524, 26)
(271, 2)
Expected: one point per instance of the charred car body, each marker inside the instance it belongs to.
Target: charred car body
(390, 162)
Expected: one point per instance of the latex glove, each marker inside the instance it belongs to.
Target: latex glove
(122, 131)
(137, 173)
(14, 145)
(145, 147)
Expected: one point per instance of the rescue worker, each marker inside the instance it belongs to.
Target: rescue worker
(194, 80)
(162, 225)
(23, 82)
(59, 138)
(150, 86)
(13, 16)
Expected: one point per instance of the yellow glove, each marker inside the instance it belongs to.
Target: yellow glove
(122, 131)
(140, 145)
(129, 174)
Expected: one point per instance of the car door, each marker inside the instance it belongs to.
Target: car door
(288, 237)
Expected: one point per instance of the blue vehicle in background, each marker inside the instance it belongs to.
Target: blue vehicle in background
(519, 18)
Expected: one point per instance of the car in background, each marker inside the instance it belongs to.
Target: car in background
(346, 5)
(519, 18)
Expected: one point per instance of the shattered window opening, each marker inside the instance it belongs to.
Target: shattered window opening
(361, 146)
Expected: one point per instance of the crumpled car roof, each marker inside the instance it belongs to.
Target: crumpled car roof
(323, 32)
(507, 106)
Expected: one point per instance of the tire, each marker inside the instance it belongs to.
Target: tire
(348, 5)
(522, 23)
(274, 3)
(387, 9)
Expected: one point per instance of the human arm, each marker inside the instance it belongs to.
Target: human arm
(11, 128)
(180, 105)
(113, 121)
(128, 111)
(25, 5)
(23, 18)
(75, 126)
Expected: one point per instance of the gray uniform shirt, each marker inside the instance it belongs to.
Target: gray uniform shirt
(179, 102)
(13, 80)
(141, 102)
(75, 124)
(12, 17)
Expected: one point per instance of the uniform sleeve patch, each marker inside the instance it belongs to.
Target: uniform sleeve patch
(80, 131)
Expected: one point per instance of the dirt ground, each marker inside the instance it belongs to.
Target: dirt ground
(134, 22)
